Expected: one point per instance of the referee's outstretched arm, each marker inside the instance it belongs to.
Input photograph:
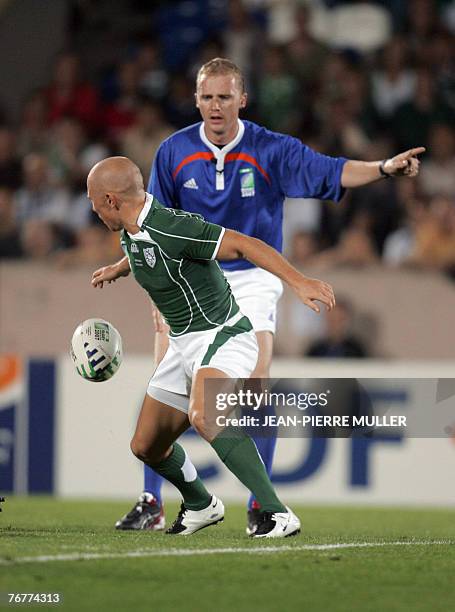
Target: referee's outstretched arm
(358, 173)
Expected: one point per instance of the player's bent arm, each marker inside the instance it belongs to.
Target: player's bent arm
(358, 173)
(109, 274)
(239, 246)
(161, 345)
(161, 328)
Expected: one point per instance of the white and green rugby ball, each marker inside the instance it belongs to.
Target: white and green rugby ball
(96, 350)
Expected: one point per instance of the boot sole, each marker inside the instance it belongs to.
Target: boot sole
(186, 533)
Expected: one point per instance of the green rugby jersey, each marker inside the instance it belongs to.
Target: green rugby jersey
(172, 259)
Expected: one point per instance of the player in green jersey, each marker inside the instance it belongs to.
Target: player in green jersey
(171, 254)
(176, 246)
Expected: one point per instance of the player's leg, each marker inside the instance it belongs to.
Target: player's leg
(265, 441)
(239, 454)
(168, 386)
(155, 419)
(148, 511)
(154, 443)
(237, 450)
(257, 293)
(158, 426)
(153, 481)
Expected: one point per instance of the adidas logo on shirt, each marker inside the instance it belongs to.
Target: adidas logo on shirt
(190, 184)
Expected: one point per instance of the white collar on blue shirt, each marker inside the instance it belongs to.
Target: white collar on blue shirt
(220, 154)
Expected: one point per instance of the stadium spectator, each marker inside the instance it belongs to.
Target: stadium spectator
(39, 239)
(213, 47)
(121, 113)
(39, 198)
(141, 140)
(70, 157)
(304, 245)
(342, 134)
(307, 56)
(378, 199)
(10, 244)
(10, 165)
(33, 133)
(400, 244)
(434, 245)
(92, 245)
(356, 246)
(423, 26)
(413, 120)
(394, 83)
(336, 72)
(339, 341)
(302, 215)
(343, 81)
(441, 59)
(240, 39)
(438, 169)
(179, 107)
(356, 93)
(357, 25)
(69, 95)
(67, 138)
(277, 92)
(154, 79)
(71, 154)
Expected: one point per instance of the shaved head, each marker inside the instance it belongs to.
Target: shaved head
(116, 189)
(117, 175)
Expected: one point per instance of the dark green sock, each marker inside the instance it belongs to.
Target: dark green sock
(178, 469)
(240, 455)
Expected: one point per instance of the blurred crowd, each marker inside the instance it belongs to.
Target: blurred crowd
(362, 80)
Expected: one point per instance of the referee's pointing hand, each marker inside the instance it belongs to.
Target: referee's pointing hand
(404, 164)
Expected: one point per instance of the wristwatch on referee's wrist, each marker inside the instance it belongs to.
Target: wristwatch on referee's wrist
(382, 171)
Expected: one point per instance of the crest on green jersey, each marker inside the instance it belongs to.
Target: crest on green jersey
(150, 256)
(247, 182)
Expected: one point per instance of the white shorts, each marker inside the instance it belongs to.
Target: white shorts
(226, 348)
(257, 293)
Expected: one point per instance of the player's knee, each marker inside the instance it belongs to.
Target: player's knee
(144, 451)
(262, 370)
(200, 423)
(138, 448)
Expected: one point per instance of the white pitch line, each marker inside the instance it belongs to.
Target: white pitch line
(176, 552)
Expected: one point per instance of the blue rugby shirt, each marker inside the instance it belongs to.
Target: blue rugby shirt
(243, 185)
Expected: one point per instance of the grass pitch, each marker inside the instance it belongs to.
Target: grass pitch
(361, 559)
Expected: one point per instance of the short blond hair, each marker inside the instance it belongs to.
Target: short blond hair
(220, 66)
